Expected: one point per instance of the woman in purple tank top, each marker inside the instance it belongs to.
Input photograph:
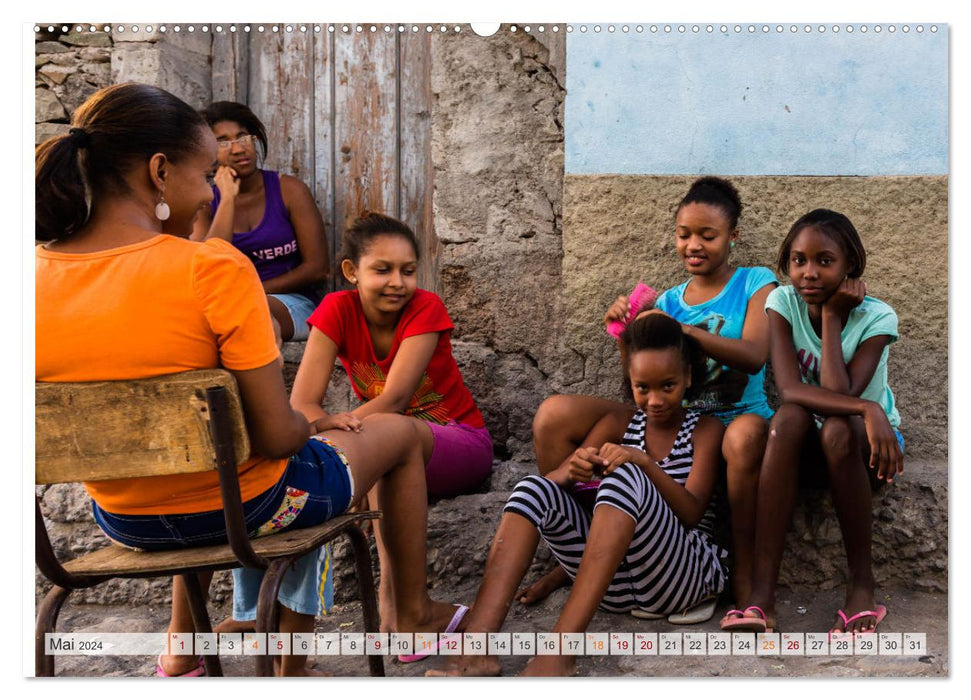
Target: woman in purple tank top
(270, 217)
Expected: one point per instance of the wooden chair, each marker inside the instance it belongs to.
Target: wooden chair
(176, 424)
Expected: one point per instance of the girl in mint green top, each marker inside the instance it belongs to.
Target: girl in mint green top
(872, 318)
(837, 422)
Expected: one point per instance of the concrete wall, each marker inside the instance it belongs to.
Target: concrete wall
(759, 103)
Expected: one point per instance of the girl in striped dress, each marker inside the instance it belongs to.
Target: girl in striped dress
(646, 544)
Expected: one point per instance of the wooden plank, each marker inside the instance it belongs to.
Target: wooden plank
(121, 561)
(266, 48)
(281, 95)
(230, 66)
(366, 131)
(417, 175)
(147, 427)
(323, 71)
(296, 82)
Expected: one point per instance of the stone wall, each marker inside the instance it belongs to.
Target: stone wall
(68, 68)
(497, 147)
(72, 65)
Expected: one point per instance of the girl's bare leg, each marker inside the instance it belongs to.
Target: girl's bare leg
(388, 452)
(846, 450)
(181, 621)
(386, 599)
(511, 553)
(562, 422)
(778, 482)
(743, 447)
(296, 664)
(611, 531)
(282, 322)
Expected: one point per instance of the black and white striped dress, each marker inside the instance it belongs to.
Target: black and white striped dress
(667, 567)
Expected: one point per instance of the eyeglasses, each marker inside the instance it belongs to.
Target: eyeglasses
(244, 140)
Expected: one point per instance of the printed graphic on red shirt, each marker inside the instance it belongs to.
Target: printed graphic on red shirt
(426, 404)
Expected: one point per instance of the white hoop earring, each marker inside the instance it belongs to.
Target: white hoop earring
(162, 211)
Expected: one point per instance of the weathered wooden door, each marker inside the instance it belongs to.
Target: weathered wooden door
(347, 112)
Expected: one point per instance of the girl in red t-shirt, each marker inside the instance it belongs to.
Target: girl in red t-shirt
(393, 341)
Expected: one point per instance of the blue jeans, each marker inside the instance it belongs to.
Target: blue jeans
(315, 487)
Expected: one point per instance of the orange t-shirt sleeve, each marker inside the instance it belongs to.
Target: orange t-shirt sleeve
(235, 305)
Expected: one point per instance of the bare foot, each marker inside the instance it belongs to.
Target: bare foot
(229, 625)
(547, 666)
(467, 666)
(176, 665)
(437, 617)
(554, 580)
(386, 611)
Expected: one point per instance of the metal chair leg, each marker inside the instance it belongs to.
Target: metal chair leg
(267, 612)
(47, 614)
(365, 583)
(200, 619)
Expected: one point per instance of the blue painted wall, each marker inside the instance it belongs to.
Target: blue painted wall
(757, 104)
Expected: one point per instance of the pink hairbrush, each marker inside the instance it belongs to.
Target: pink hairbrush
(641, 298)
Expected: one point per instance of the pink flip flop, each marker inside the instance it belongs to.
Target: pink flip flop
(745, 624)
(842, 616)
(452, 626)
(733, 611)
(879, 612)
(199, 670)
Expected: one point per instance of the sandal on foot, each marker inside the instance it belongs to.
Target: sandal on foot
(647, 614)
(746, 624)
(452, 626)
(696, 614)
(879, 613)
(199, 670)
(734, 611)
(842, 616)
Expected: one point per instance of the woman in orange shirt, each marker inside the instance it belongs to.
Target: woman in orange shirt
(123, 294)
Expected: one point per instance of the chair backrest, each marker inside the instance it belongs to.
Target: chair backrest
(148, 427)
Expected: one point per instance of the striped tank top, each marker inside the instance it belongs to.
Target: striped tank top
(677, 464)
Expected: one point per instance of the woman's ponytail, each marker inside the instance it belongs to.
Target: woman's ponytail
(60, 196)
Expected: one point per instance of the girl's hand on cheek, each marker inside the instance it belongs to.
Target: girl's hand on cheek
(227, 182)
(847, 297)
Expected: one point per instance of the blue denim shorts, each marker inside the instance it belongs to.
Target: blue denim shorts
(315, 486)
(300, 308)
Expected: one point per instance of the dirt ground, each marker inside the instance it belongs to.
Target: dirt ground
(798, 612)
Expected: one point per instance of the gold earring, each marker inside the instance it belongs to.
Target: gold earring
(353, 280)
